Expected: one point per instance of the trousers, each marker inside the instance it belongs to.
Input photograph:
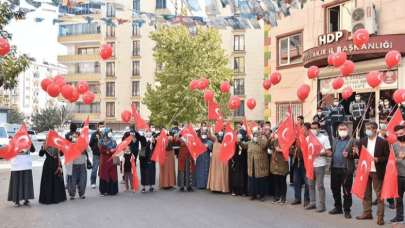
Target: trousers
(339, 179)
(319, 174)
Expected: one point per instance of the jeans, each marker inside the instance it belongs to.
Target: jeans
(340, 179)
(400, 202)
(299, 179)
(377, 185)
(319, 174)
(96, 163)
(335, 126)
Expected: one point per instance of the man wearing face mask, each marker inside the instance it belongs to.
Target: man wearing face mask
(325, 122)
(383, 126)
(95, 137)
(357, 108)
(380, 107)
(378, 148)
(337, 115)
(342, 169)
(387, 110)
(174, 131)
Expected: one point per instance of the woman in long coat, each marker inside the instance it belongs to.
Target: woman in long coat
(238, 168)
(108, 171)
(167, 173)
(203, 163)
(148, 167)
(185, 167)
(52, 190)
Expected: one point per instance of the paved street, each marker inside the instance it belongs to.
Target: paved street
(167, 208)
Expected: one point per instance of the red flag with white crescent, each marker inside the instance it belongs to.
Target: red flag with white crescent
(193, 142)
(135, 180)
(159, 153)
(228, 144)
(69, 149)
(396, 120)
(214, 112)
(362, 173)
(390, 184)
(20, 141)
(120, 147)
(244, 124)
(83, 141)
(141, 124)
(286, 136)
(314, 149)
(219, 124)
(302, 143)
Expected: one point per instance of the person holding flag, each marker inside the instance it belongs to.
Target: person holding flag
(167, 172)
(148, 167)
(203, 161)
(185, 167)
(238, 166)
(108, 171)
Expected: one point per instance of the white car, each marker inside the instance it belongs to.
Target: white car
(4, 140)
(41, 136)
(33, 134)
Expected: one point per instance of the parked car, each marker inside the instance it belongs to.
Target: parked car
(41, 136)
(4, 139)
(33, 134)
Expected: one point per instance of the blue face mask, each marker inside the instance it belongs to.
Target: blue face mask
(315, 132)
(383, 126)
(369, 133)
(240, 136)
(184, 140)
(220, 133)
(149, 134)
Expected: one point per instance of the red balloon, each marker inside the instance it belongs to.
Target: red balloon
(374, 78)
(234, 102)
(53, 90)
(251, 103)
(267, 84)
(58, 77)
(208, 95)
(347, 92)
(330, 59)
(126, 116)
(338, 83)
(360, 37)
(392, 58)
(88, 97)
(67, 91)
(225, 86)
(203, 83)
(45, 83)
(399, 96)
(75, 96)
(313, 72)
(193, 85)
(302, 93)
(306, 87)
(4, 47)
(275, 78)
(105, 51)
(82, 87)
(60, 83)
(339, 58)
(347, 68)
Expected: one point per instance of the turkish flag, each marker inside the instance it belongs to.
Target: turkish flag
(83, 141)
(395, 120)
(214, 112)
(228, 144)
(135, 180)
(363, 170)
(286, 136)
(20, 141)
(69, 149)
(219, 125)
(194, 144)
(390, 184)
(159, 153)
(244, 124)
(120, 147)
(314, 149)
(141, 124)
(302, 143)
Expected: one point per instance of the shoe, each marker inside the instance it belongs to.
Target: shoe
(126, 190)
(365, 216)
(392, 206)
(101, 195)
(253, 197)
(190, 189)
(276, 200)
(320, 210)
(143, 190)
(83, 197)
(72, 197)
(261, 198)
(152, 190)
(396, 221)
(310, 207)
(17, 204)
(181, 189)
(335, 211)
(283, 201)
(348, 215)
(93, 186)
(296, 202)
(133, 190)
(122, 182)
(306, 204)
(374, 202)
(380, 221)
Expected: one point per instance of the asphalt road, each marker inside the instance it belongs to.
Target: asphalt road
(168, 208)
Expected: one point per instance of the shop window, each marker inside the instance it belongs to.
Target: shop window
(110, 109)
(296, 109)
(290, 49)
(339, 17)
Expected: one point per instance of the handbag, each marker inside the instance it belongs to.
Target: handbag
(116, 160)
(142, 152)
(89, 165)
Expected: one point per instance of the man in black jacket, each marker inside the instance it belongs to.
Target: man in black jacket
(174, 131)
(95, 137)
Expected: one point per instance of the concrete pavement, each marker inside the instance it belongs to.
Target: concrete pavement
(168, 208)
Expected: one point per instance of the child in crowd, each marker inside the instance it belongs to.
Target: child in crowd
(126, 169)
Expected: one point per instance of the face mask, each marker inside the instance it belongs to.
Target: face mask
(401, 138)
(101, 129)
(240, 136)
(153, 129)
(220, 133)
(336, 103)
(381, 103)
(319, 113)
(386, 103)
(383, 126)
(204, 137)
(74, 140)
(184, 140)
(315, 132)
(369, 133)
(204, 128)
(254, 139)
(357, 98)
(343, 133)
(109, 134)
(149, 134)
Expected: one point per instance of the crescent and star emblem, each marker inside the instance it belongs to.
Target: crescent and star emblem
(403, 96)
(80, 86)
(285, 130)
(23, 137)
(230, 134)
(233, 102)
(56, 141)
(311, 146)
(190, 141)
(398, 56)
(358, 36)
(279, 77)
(217, 111)
(316, 72)
(254, 102)
(365, 170)
(379, 77)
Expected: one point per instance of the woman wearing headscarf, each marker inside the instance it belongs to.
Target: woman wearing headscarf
(52, 184)
(148, 167)
(203, 162)
(108, 171)
(238, 167)
(218, 178)
(186, 167)
(167, 174)
(279, 168)
(21, 185)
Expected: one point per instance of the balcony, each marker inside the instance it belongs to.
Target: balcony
(83, 116)
(90, 77)
(79, 17)
(79, 58)
(79, 38)
(136, 52)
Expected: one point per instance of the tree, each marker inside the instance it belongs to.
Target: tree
(186, 58)
(16, 117)
(52, 117)
(11, 65)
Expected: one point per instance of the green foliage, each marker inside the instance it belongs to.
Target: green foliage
(186, 58)
(11, 65)
(50, 118)
(15, 117)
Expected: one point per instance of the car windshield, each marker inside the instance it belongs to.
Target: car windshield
(31, 132)
(3, 133)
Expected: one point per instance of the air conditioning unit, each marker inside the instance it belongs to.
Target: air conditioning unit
(364, 17)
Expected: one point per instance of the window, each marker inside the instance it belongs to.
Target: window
(290, 49)
(86, 108)
(136, 4)
(110, 89)
(112, 44)
(83, 68)
(78, 29)
(136, 30)
(239, 64)
(136, 48)
(110, 70)
(110, 109)
(136, 89)
(136, 68)
(161, 4)
(95, 88)
(137, 105)
(240, 111)
(239, 86)
(85, 9)
(110, 31)
(338, 17)
(239, 43)
(282, 110)
(88, 51)
(110, 10)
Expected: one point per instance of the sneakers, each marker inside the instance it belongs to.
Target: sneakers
(276, 200)
(143, 190)
(72, 197)
(17, 204)
(262, 198)
(310, 207)
(283, 201)
(93, 186)
(319, 210)
(27, 203)
(396, 221)
(83, 197)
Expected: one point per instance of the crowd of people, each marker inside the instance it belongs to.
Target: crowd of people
(257, 169)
